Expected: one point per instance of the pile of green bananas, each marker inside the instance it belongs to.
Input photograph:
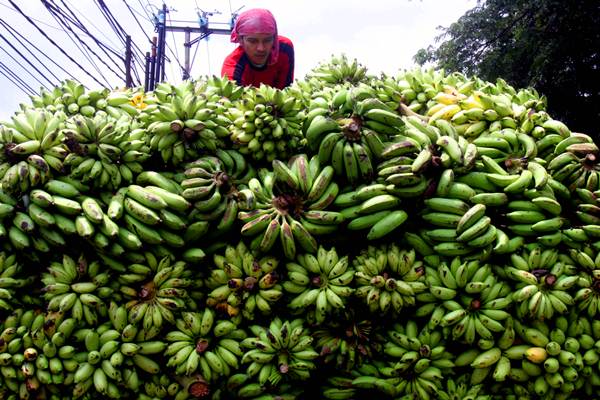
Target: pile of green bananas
(339, 70)
(388, 278)
(212, 184)
(266, 124)
(208, 240)
(104, 150)
(348, 129)
(290, 204)
(321, 280)
(71, 98)
(77, 289)
(182, 122)
(31, 149)
(241, 282)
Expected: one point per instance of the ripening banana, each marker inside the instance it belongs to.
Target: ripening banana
(242, 283)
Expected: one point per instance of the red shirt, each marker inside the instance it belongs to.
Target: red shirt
(237, 67)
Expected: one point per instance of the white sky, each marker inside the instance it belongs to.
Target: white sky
(383, 35)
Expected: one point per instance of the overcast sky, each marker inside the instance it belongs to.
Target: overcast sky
(384, 35)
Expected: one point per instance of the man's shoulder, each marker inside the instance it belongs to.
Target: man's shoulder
(284, 41)
(235, 55)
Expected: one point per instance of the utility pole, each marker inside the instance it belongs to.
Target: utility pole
(160, 53)
(128, 81)
(147, 72)
(157, 69)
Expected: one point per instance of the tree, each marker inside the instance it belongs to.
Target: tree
(551, 45)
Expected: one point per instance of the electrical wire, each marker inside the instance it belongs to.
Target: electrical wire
(137, 53)
(75, 21)
(21, 65)
(137, 20)
(16, 80)
(82, 46)
(27, 60)
(176, 55)
(87, 19)
(85, 30)
(14, 34)
(36, 20)
(54, 43)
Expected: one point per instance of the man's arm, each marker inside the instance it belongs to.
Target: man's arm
(286, 74)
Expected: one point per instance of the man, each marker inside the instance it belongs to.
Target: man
(262, 56)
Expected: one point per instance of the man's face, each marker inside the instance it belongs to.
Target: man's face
(258, 47)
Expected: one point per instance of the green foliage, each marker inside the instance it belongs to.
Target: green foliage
(547, 44)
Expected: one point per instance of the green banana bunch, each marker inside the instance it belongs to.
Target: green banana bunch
(539, 215)
(459, 388)
(348, 342)
(341, 387)
(544, 280)
(156, 292)
(221, 86)
(338, 70)
(14, 282)
(212, 184)
(323, 280)
(18, 352)
(281, 352)
(78, 288)
(241, 282)
(71, 98)
(240, 386)
(150, 215)
(60, 211)
(103, 151)
(183, 122)
(460, 228)
(205, 345)
(348, 131)
(8, 207)
(419, 357)
(466, 299)
(419, 86)
(393, 92)
(102, 359)
(267, 123)
(375, 377)
(574, 162)
(586, 297)
(388, 278)
(290, 203)
(161, 386)
(371, 207)
(32, 149)
(556, 361)
(587, 212)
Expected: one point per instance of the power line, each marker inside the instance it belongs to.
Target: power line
(54, 10)
(36, 20)
(176, 54)
(87, 19)
(13, 32)
(137, 20)
(104, 47)
(85, 50)
(75, 21)
(138, 55)
(53, 42)
(16, 80)
(27, 60)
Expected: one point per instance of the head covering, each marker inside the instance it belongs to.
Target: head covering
(256, 20)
